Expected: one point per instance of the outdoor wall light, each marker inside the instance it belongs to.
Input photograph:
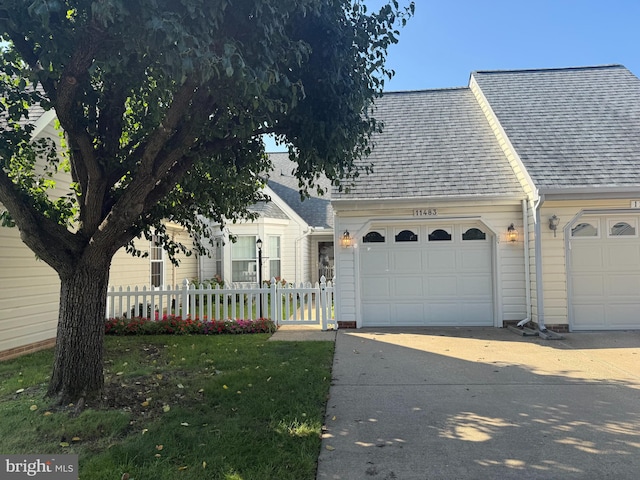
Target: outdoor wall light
(512, 233)
(346, 240)
(554, 221)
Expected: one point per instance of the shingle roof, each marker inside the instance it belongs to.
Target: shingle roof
(572, 127)
(268, 210)
(435, 144)
(315, 210)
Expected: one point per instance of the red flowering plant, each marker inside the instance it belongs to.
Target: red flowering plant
(176, 325)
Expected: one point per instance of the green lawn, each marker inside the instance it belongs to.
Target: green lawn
(185, 407)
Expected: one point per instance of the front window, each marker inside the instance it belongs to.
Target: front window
(244, 259)
(156, 254)
(274, 257)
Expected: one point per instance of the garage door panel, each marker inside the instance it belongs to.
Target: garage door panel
(376, 287)
(375, 261)
(407, 286)
(605, 278)
(441, 260)
(588, 285)
(623, 315)
(444, 314)
(477, 313)
(475, 285)
(441, 285)
(377, 314)
(475, 260)
(624, 286)
(409, 313)
(589, 316)
(587, 255)
(622, 257)
(406, 261)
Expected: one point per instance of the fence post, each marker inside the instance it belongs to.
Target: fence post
(185, 298)
(275, 301)
(323, 303)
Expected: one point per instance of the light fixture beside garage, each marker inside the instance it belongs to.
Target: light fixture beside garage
(554, 221)
(346, 241)
(512, 233)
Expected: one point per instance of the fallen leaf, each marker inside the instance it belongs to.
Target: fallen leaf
(180, 385)
(125, 476)
(184, 467)
(157, 455)
(333, 418)
(184, 424)
(204, 464)
(64, 444)
(120, 373)
(166, 408)
(145, 404)
(20, 390)
(159, 447)
(75, 439)
(225, 387)
(145, 430)
(46, 414)
(330, 448)
(33, 408)
(159, 376)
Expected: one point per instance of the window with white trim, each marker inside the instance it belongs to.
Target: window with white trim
(244, 259)
(622, 228)
(274, 256)
(156, 256)
(585, 229)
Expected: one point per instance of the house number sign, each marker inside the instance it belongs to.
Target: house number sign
(425, 212)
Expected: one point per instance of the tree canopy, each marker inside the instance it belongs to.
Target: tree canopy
(163, 105)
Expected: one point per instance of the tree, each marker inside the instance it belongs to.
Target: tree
(163, 104)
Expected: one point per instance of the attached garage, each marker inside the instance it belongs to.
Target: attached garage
(427, 275)
(604, 272)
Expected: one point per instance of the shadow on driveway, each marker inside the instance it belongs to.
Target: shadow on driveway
(482, 403)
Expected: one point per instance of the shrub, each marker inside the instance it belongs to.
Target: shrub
(176, 325)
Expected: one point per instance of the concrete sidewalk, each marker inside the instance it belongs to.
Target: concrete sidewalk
(302, 333)
(482, 403)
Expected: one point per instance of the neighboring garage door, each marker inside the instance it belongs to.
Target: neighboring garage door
(437, 275)
(604, 288)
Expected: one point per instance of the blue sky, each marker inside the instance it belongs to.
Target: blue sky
(448, 39)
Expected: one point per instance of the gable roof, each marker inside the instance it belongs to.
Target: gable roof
(571, 127)
(316, 210)
(435, 144)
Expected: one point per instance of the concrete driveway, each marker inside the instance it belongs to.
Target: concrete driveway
(482, 403)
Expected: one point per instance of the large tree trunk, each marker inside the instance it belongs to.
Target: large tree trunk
(78, 363)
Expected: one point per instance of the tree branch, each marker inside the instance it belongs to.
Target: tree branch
(50, 241)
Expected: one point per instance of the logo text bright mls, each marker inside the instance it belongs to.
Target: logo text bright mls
(60, 467)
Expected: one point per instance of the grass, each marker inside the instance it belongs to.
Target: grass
(232, 407)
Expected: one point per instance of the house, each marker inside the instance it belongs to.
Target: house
(297, 236)
(30, 289)
(514, 199)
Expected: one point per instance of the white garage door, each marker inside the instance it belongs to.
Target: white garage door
(604, 291)
(437, 275)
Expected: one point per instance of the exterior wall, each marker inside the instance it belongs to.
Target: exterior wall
(509, 267)
(554, 262)
(29, 293)
(127, 270)
(29, 288)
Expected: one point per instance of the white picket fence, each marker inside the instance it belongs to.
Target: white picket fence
(305, 304)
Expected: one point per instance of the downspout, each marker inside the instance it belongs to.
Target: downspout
(305, 234)
(538, 253)
(527, 267)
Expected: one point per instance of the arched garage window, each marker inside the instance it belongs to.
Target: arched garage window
(373, 237)
(584, 230)
(622, 228)
(439, 235)
(474, 234)
(406, 236)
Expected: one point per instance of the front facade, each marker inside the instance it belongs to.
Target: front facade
(551, 155)
(296, 236)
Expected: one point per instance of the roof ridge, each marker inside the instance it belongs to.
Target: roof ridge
(532, 70)
(423, 90)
